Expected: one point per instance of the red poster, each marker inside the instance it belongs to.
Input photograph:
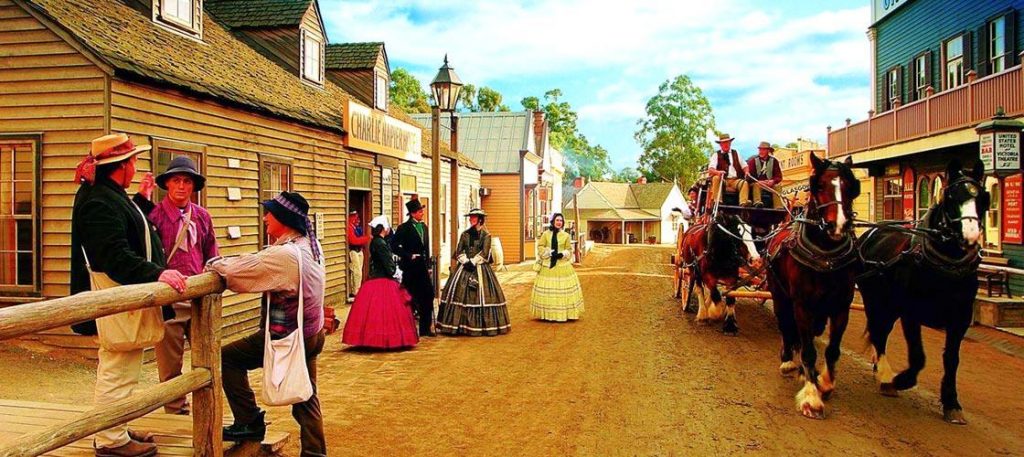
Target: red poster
(1012, 214)
(908, 194)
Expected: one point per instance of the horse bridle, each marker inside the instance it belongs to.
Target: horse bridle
(945, 229)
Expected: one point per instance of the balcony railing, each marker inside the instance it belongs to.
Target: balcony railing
(954, 109)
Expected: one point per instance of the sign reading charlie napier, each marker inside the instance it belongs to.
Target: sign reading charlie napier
(370, 130)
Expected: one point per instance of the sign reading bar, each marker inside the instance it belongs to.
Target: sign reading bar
(371, 130)
(1007, 151)
(908, 194)
(987, 152)
(1013, 216)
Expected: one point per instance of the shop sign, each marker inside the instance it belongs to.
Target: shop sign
(987, 151)
(386, 191)
(1007, 151)
(908, 194)
(1013, 216)
(882, 8)
(370, 130)
(892, 169)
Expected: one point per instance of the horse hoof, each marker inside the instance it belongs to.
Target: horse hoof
(812, 412)
(826, 394)
(888, 389)
(789, 368)
(954, 416)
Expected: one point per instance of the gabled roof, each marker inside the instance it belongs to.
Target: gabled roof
(221, 66)
(492, 139)
(626, 201)
(352, 56)
(258, 13)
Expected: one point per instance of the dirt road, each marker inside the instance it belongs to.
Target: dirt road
(636, 376)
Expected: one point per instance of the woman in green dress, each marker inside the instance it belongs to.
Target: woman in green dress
(557, 295)
(472, 302)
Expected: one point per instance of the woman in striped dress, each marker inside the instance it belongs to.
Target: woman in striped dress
(472, 302)
(557, 295)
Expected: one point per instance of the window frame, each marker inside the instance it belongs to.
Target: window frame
(995, 41)
(963, 58)
(895, 199)
(264, 160)
(380, 95)
(924, 183)
(993, 222)
(191, 29)
(402, 187)
(304, 54)
(921, 75)
(189, 149)
(35, 288)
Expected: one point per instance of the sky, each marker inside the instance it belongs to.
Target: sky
(773, 70)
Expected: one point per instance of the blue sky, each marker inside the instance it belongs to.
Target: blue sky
(773, 70)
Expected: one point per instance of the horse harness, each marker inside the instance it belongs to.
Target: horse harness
(812, 256)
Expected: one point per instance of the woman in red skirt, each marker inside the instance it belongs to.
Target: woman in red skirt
(381, 316)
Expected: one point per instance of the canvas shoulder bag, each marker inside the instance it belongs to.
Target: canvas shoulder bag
(285, 375)
(181, 234)
(130, 330)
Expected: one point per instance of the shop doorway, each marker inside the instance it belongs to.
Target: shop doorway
(361, 202)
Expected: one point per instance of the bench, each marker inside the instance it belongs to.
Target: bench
(993, 274)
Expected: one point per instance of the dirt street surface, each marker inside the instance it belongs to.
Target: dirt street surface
(636, 376)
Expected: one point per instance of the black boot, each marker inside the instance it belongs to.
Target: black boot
(253, 431)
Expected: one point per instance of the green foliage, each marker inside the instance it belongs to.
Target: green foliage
(674, 133)
(626, 174)
(467, 98)
(407, 93)
(792, 145)
(581, 158)
(489, 100)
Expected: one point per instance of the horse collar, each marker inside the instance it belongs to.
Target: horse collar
(821, 260)
(926, 253)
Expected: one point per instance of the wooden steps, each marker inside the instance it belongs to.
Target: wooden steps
(173, 433)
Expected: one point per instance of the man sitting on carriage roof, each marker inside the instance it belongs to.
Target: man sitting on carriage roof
(725, 164)
(765, 170)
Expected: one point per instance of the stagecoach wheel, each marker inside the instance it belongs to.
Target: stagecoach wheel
(690, 304)
(677, 277)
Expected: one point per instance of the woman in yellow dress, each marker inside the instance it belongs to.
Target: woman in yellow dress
(557, 295)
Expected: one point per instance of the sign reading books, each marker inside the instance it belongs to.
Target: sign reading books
(1013, 216)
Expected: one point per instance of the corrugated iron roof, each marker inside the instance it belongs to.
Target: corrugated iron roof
(492, 139)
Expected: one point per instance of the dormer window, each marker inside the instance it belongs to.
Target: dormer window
(312, 58)
(381, 92)
(182, 15)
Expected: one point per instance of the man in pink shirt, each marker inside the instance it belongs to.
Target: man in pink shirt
(186, 231)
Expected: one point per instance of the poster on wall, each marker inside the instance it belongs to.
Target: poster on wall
(1013, 217)
(908, 194)
(986, 153)
(386, 191)
(1007, 151)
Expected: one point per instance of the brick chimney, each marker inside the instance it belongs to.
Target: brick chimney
(539, 131)
(641, 180)
(579, 182)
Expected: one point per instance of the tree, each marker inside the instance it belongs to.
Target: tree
(626, 174)
(467, 98)
(489, 100)
(407, 93)
(581, 158)
(792, 145)
(674, 133)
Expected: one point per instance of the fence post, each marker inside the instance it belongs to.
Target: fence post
(207, 406)
(971, 77)
(928, 93)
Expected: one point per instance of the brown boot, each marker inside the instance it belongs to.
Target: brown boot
(130, 449)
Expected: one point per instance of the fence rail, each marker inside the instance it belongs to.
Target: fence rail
(204, 380)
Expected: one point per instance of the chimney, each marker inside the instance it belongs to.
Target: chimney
(539, 130)
(641, 180)
(579, 182)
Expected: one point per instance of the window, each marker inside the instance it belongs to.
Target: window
(997, 45)
(359, 178)
(381, 92)
(892, 199)
(275, 177)
(312, 58)
(924, 196)
(893, 86)
(474, 197)
(953, 50)
(444, 213)
(408, 184)
(921, 75)
(993, 223)
(530, 223)
(179, 11)
(181, 15)
(18, 215)
(166, 150)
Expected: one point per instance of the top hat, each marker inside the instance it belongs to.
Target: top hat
(114, 148)
(723, 137)
(183, 165)
(766, 145)
(413, 205)
(291, 209)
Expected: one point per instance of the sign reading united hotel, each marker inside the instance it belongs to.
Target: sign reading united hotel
(374, 131)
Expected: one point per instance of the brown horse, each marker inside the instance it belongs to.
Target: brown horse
(713, 254)
(812, 264)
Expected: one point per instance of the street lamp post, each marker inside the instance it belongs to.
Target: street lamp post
(445, 88)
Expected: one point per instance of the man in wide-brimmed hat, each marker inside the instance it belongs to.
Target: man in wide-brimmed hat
(109, 232)
(189, 241)
(411, 243)
(725, 164)
(764, 171)
(274, 271)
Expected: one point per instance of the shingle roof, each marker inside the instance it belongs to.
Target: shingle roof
(492, 140)
(614, 200)
(258, 13)
(651, 195)
(220, 66)
(352, 56)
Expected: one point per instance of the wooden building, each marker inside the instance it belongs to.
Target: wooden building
(238, 86)
(627, 213)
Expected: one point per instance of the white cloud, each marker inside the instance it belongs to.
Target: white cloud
(764, 70)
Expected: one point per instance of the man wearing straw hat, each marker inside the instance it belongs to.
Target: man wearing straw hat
(109, 231)
(765, 171)
(189, 241)
(725, 164)
(274, 271)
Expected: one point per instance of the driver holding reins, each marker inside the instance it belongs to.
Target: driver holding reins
(725, 164)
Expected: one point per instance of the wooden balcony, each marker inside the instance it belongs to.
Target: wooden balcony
(962, 107)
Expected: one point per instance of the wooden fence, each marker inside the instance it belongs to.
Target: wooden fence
(204, 381)
(962, 107)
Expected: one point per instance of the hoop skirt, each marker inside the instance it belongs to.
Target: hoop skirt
(381, 317)
(473, 303)
(557, 295)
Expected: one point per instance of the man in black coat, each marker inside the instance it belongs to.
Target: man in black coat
(107, 227)
(411, 243)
